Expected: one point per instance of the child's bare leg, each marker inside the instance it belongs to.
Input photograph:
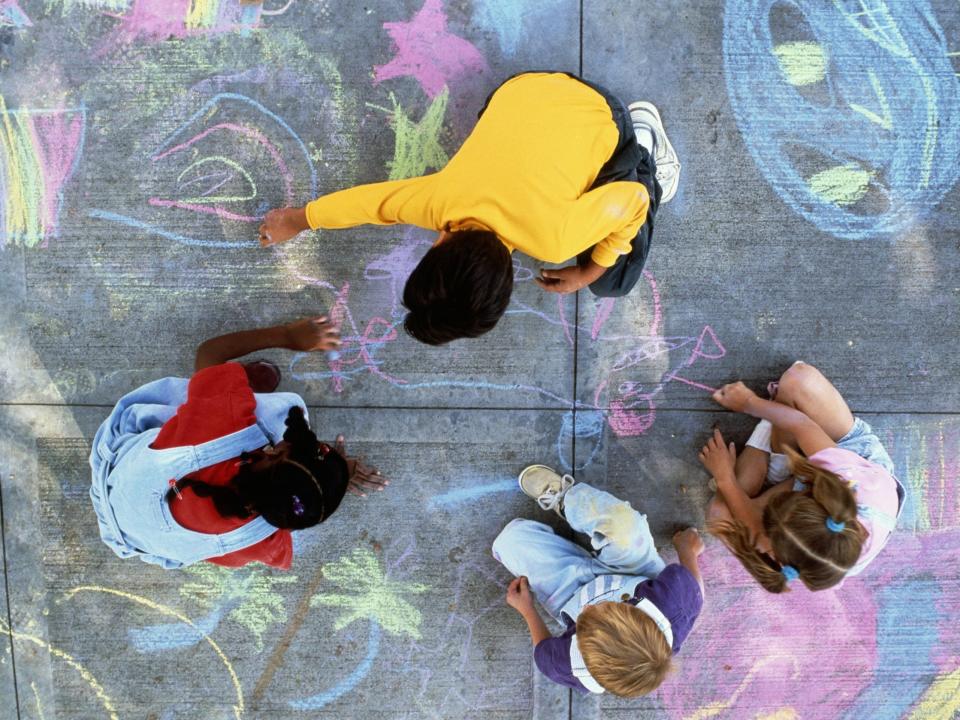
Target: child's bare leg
(750, 471)
(805, 388)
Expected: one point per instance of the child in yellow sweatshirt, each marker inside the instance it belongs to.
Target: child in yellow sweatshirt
(553, 169)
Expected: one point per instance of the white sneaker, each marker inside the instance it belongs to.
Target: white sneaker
(546, 486)
(646, 117)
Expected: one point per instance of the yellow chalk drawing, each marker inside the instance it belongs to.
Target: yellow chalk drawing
(715, 708)
(417, 144)
(781, 714)
(238, 708)
(87, 676)
(886, 120)
(202, 13)
(21, 176)
(941, 701)
(804, 63)
(36, 698)
(258, 606)
(369, 594)
(879, 26)
(842, 184)
(233, 165)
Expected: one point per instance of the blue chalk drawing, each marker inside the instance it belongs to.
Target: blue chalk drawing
(211, 105)
(208, 108)
(174, 636)
(361, 589)
(474, 491)
(507, 19)
(891, 125)
(157, 230)
(315, 702)
(903, 641)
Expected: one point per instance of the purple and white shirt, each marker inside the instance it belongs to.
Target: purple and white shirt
(675, 592)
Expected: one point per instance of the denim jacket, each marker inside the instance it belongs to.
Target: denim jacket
(131, 480)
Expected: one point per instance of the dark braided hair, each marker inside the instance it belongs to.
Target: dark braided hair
(299, 492)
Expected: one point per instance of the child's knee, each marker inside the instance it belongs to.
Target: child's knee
(503, 538)
(799, 377)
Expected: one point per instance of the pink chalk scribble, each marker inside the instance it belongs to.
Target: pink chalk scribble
(632, 408)
(426, 51)
(158, 20)
(756, 652)
(252, 133)
(58, 140)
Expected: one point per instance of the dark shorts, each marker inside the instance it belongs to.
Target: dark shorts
(632, 163)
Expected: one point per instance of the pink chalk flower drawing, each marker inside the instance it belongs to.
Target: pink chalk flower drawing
(425, 50)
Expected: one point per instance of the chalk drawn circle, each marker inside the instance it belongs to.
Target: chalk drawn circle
(894, 113)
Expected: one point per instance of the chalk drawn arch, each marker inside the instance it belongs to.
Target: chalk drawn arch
(239, 705)
(885, 148)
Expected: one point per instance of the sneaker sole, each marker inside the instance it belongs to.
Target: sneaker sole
(652, 109)
(527, 469)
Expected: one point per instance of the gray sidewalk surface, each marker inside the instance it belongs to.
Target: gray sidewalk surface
(817, 218)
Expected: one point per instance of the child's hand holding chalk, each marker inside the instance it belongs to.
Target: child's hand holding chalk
(313, 334)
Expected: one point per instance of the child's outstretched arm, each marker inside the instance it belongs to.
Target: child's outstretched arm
(810, 437)
(520, 599)
(304, 335)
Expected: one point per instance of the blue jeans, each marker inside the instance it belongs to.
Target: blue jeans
(557, 568)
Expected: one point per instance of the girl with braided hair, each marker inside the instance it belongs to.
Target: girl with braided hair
(220, 467)
(831, 501)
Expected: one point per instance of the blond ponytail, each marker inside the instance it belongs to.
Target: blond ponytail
(742, 544)
(814, 532)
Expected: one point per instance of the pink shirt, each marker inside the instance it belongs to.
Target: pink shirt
(874, 488)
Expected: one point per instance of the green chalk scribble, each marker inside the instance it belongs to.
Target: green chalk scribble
(803, 62)
(257, 605)
(842, 184)
(417, 144)
(368, 594)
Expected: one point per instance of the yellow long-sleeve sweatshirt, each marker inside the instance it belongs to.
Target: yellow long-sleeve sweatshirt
(523, 173)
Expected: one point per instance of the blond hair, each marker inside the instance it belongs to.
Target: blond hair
(796, 523)
(623, 648)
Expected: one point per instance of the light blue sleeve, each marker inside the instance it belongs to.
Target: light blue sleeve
(272, 410)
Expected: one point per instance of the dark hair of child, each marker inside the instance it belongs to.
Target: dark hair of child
(299, 492)
(459, 289)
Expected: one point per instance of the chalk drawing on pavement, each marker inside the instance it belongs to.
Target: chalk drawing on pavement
(880, 145)
(428, 52)
(39, 152)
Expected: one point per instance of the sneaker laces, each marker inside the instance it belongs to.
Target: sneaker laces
(551, 498)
